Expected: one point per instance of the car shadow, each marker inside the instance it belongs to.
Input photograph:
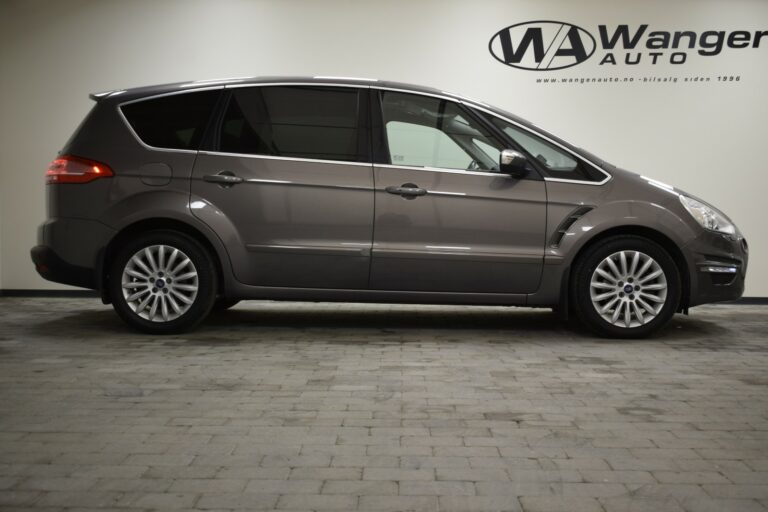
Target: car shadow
(254, 322)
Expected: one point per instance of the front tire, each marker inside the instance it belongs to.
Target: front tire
(625, 287)
(163, 282)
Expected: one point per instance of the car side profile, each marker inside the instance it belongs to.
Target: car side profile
(177, 199)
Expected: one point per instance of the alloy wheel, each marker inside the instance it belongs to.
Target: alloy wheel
(160, 283)
(628, 289)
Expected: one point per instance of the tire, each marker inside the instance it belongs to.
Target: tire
(186, 289)
(619, 296)
(223, 304)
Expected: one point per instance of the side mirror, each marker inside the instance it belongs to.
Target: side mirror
(513, 162)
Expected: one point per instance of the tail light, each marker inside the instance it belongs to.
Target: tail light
(73, 169)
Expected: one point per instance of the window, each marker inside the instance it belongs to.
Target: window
(555, 161)
(299, 122)
(175, 122)
(423, 131)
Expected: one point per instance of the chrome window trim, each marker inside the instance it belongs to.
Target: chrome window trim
(442, 169)
(446, 96)
(144, 144)
(607, 178)
(294, 84)
(287, 158)
(578, 182)
(296, 159)
(479, 106)
(121, 114)
(172, 93)
(207, 87)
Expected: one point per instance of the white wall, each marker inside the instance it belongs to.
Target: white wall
(708, 139)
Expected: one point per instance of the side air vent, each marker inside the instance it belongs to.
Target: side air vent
(567, 222)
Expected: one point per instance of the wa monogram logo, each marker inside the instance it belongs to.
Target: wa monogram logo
(542, 45)
(549, 45)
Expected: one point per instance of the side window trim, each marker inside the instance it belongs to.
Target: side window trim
(386, 156)
(537, 174)
(578, 157)
(213, 130)
(121, 115)
(379, 137)
(363, 125)
(379, 145)
(442, 169)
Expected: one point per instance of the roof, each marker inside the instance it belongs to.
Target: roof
(152, 90)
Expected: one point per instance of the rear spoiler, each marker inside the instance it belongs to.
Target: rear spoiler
(98, 96)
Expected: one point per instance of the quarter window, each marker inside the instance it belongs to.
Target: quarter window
(301, 122)
(425, 131)
(174, 122)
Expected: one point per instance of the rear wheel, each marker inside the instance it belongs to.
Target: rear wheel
(625, 287)
(163, 282)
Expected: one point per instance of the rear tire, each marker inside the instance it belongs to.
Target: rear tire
(163, 282)
(625, 286)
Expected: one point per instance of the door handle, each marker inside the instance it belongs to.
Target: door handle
(407, 190)
(224, 178)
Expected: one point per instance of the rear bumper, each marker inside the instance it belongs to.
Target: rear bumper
(718, 268)
(50, 266)
(70, 251)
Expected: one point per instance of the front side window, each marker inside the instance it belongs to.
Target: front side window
(556, 162)
(293, 121)
(176, 121)
(425, 131)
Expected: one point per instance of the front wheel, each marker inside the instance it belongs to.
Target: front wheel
(162, 282)
(625, 287)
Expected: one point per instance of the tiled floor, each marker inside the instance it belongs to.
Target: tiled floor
(376, 407)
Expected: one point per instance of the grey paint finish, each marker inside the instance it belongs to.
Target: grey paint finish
(290, 223)
(471, 232)
(324, 230)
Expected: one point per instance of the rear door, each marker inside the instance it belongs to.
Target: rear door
(289, 184)
(446, 219)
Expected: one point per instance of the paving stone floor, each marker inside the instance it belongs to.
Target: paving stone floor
(380, 408)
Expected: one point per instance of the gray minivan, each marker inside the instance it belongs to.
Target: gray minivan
(178, 199)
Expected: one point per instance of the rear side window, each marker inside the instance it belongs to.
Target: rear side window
(173, 122)
(299, 122)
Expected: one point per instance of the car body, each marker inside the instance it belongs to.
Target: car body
(335, 189)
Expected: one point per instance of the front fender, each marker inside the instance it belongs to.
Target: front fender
(614, 216)
(619, 214)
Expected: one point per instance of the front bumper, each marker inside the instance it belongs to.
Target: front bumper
(718, 267)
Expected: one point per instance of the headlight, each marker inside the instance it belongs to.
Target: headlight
(708, 216)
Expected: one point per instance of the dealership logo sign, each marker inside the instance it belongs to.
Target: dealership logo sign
(551, 45)
(542, 45)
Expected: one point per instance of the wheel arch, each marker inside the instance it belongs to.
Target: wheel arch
(154, 224)
(646, 232)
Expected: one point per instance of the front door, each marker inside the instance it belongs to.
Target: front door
(446, 220)
(290, 182)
